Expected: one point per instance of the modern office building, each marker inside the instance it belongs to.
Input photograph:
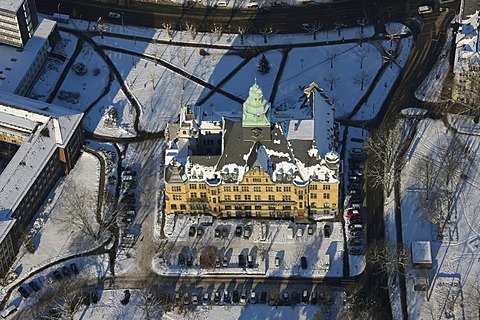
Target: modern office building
(18, 20)
(254, 167)
(50, 140)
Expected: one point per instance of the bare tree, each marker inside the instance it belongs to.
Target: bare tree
(217, 31)
(362, 22)
(192, 30)
(168, 28)
(265, 32)
(331, 55)
(313, 29)
(332, 79)
(387, 258)
(209, 257)
(384, 147)
(150, 304)
(361, 78)
(362, 54)
(339, 25)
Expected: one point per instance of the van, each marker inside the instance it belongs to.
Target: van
(424, 9)
(222, 3)
(11, 309)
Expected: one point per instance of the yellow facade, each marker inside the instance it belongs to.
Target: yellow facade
(255, 196)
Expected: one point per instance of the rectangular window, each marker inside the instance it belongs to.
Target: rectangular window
(227, 188)
(287, 189)
(177, 197)
(203, 186)
(203, 195)
(326, 187)
(313, 187)
(326, 196)
(286, 198)
(235, 188)
(271, 197)
(313, 196)
(227, 198)
(176, 188)
(245, 189)
(193, 195)
(279, 189)
(214, 200)
(193, 186)
(248, 197)
(257, 189)
(258, 207)
(257, 179)
(258, 197)
(269, 189)
(237, 197)
(213, 192)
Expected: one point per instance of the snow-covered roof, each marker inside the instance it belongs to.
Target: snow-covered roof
(16, 63)
(421, 252)
(55, 128)
(11, 5)
(467, 46)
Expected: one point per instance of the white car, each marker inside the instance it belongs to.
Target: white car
(424, 9)
(194, 299)
(253, 4)
(114, 15)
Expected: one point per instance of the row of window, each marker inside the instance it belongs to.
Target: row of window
(248, 197)
(193, 186)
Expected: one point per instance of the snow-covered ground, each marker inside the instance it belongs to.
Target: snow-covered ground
(453, 289)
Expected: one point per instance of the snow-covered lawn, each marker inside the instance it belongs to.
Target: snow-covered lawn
(454, 278)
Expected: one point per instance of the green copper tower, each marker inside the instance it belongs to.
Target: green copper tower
(255, 121)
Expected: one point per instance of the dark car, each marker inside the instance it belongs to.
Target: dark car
(294, 297)
(224, 233)
(57, 275)
(23, 292)
(74, 268)
(189, 261)
(285, 297)
(313, 299)
(355, 242)
(226, 297)
(241, 261)
(66, 272)
(238, 231)
(327, 231)
(356, 219)
(355, 186)
(94, 297)
(217, 233)
(126, 297)
(34, 286)
(263, 297)
(272, 300)
(192, 231)
(199, 232)
(356, 234)
(181, 260)
(247, 232)
(303, 263)
(235, 296)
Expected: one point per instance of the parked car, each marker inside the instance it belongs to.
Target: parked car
(241, 260)
(355, 172)
(224, 233)
(253, 297)
(126, 297)
(354, 178)
(226, 297)
(355, 186)
(66, 271)
(186, 299)
(327, 231)
(355, 192)
(294, 297)
(285, 297)
(189, 261)
(34, 286)
(225, 262)
(310, 230)
(206, 298)
(191, 231)
(250, 261)
(313, 298)
(299, 232)
(356, 234)
(355, 242)
(356, 219)
(216, 297)
(114, 15)
(199, 232)
(272, 300)
(352, 213)
(235, 296)
(238, 231)
(305, 296)
(217, 233)
(277, 262)
(57, 275)
(181, 260)
(218, 263)
(243, 296)
(263, 297)
(23, 292)
(356, 227)
(247, 232)
(356, 151)
(94, 297)
(194, 299)
(303, 263)
(74, 268)
(253, 4)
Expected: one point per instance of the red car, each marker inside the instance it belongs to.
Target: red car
(352, 213)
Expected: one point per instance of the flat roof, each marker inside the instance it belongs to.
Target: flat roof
(421, 252)
(11, 5)
(14, 62)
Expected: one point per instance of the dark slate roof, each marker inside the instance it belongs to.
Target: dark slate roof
(300, 151)
(234, 146)
(469, 8)
(209, 161)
